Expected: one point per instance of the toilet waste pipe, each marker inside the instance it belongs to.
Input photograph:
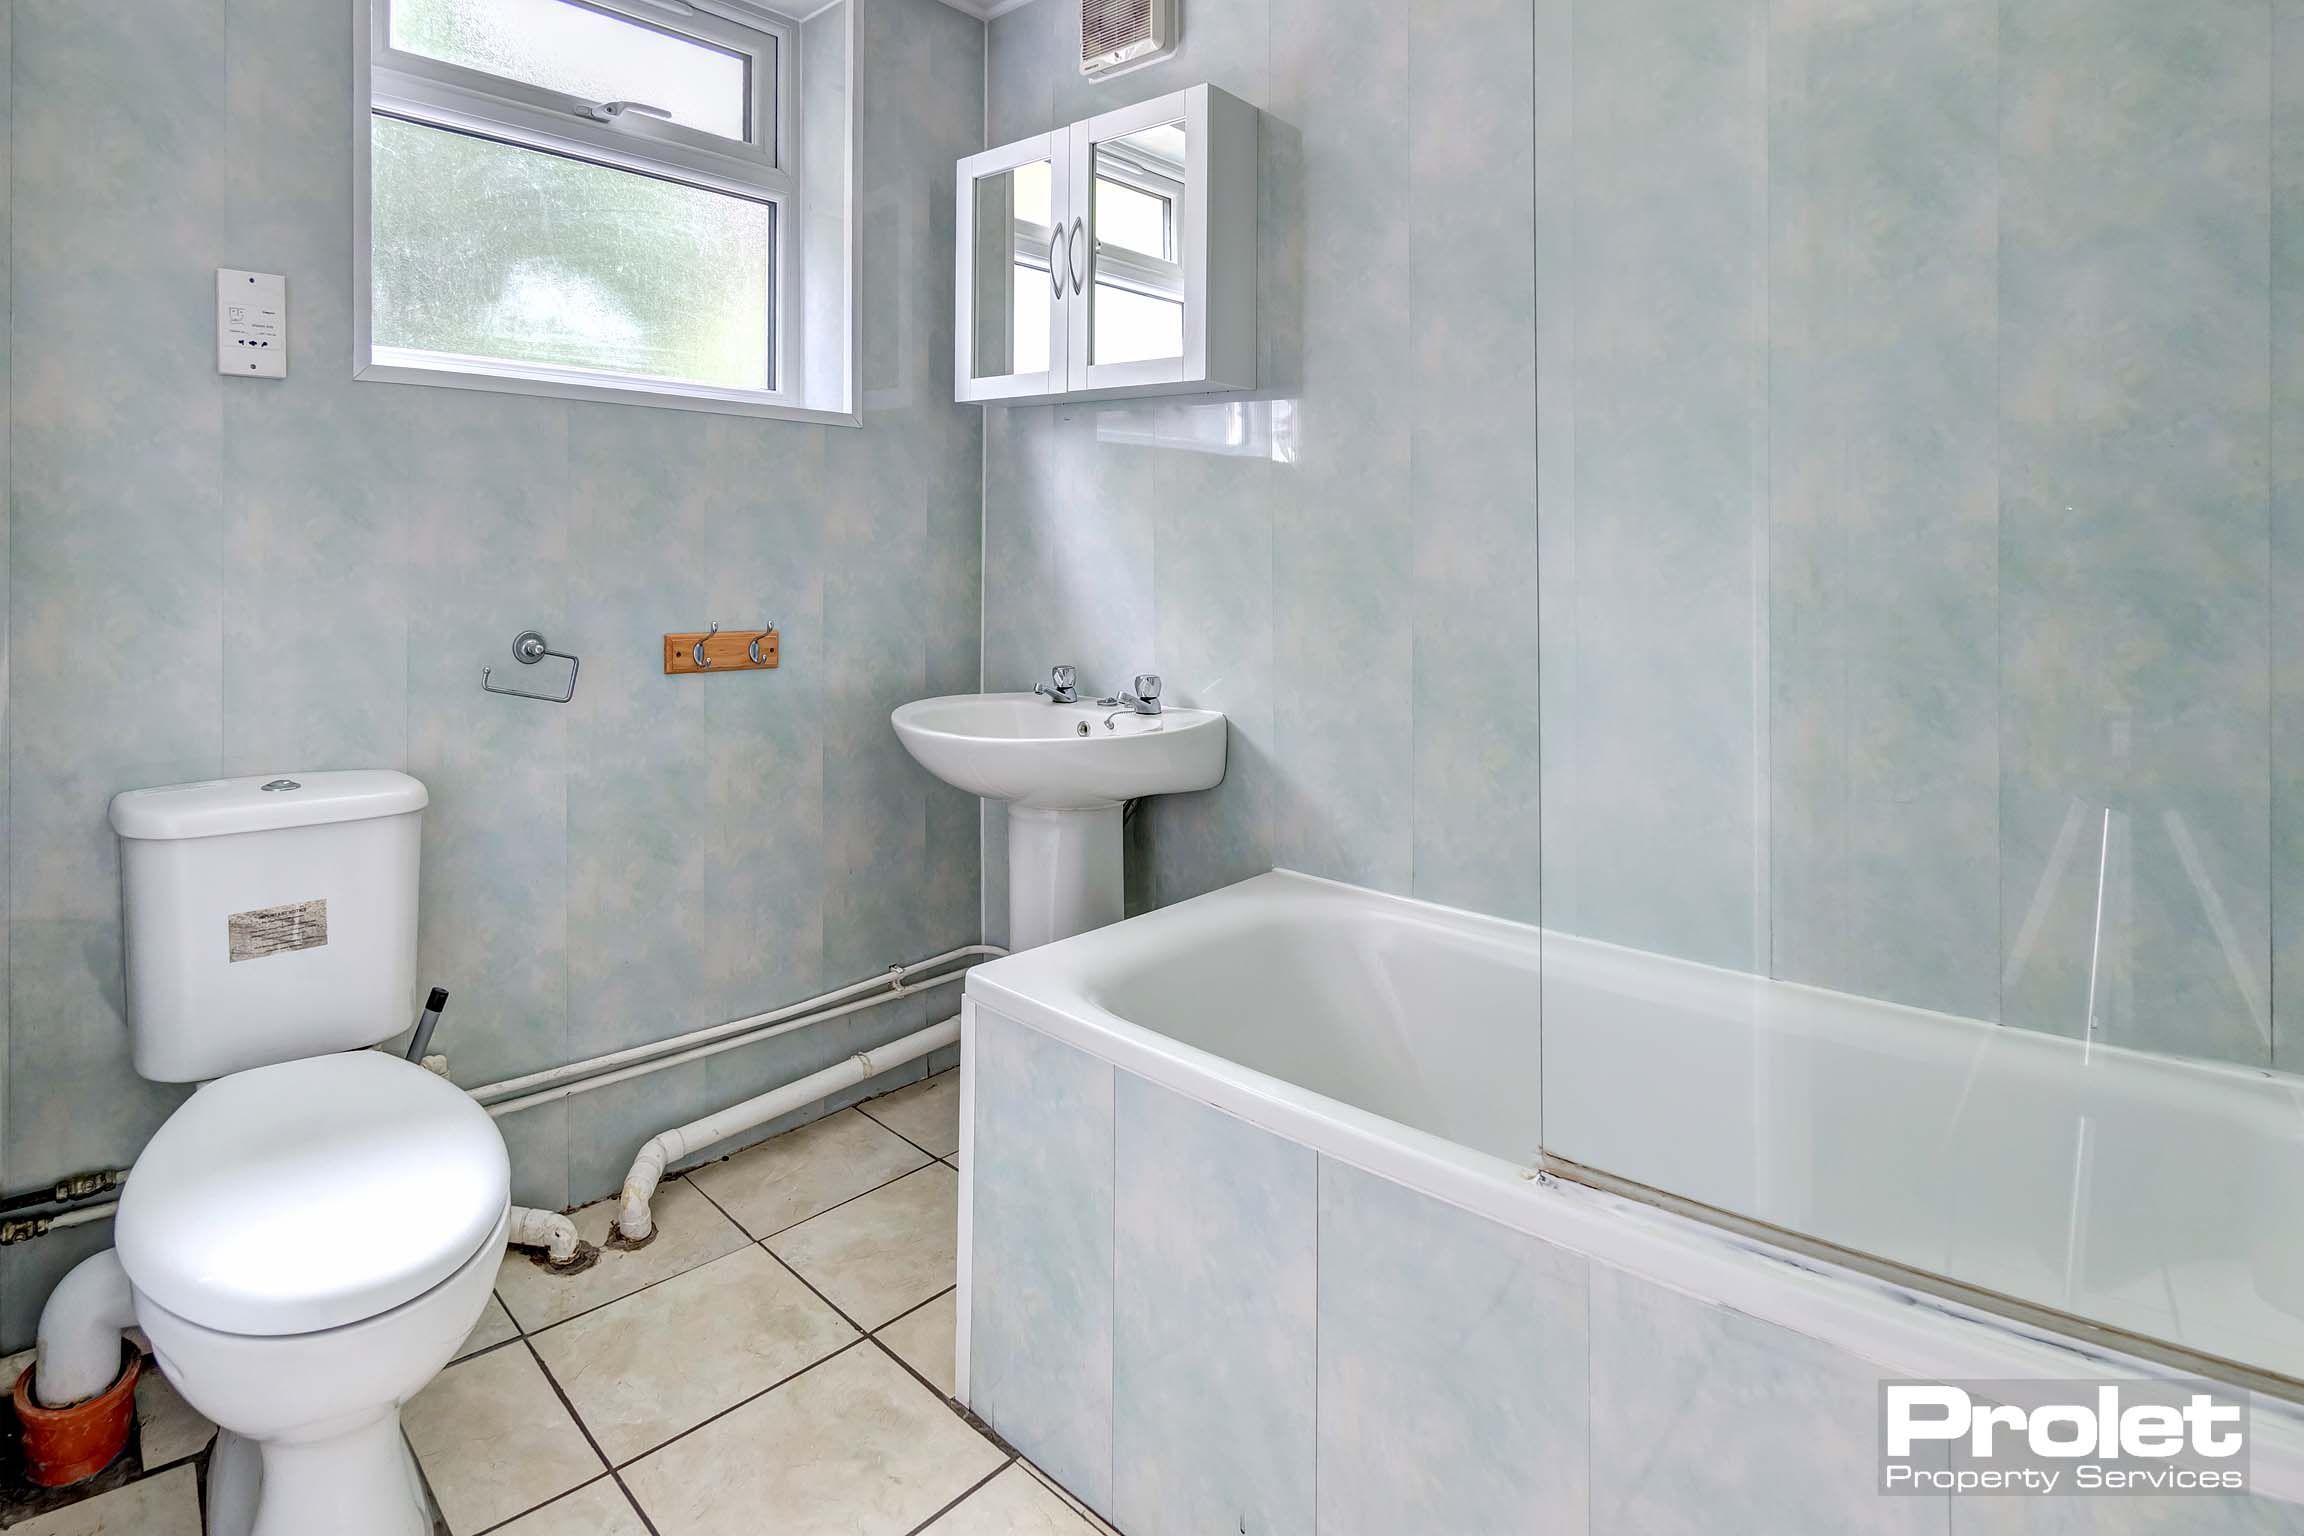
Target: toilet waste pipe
(80, 1331)
(552, 1232)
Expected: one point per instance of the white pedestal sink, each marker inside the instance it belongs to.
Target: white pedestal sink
(1065, 770)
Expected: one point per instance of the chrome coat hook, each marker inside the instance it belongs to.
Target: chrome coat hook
(528, 648)
(689, 652)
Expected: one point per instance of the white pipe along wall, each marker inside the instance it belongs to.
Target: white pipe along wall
(635, 1223)
(760, 1026)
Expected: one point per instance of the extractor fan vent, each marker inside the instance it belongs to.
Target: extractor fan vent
(1120, 35)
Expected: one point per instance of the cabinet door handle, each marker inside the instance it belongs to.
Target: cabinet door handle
(1072, 260)
(1058, 263)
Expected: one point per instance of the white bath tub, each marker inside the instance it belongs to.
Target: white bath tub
(1420, 1044)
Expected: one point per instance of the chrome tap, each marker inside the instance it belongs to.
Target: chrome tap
(1143, 699)
(1062, 685)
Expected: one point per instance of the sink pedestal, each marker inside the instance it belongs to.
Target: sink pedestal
(1065, 771)
(1063, 873)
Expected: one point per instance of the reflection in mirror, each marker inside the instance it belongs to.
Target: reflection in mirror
(1014, 290)
(1136, 303)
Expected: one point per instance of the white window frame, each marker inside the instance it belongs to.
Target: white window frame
(1125, 267)
(763, 168)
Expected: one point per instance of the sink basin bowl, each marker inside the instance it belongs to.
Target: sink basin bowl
(1065, 770)
(1020, 748)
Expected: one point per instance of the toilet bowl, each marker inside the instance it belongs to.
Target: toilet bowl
(305, 1245)
(308, 1425)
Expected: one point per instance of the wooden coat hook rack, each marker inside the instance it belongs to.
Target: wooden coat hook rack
(718, 650)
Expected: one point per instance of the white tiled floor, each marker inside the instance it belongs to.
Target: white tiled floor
(883, 1253)
(926, 1114)
(810, 1171)
(784, 1344)
(663, 1360)
(166, 1505)
(922, 1339)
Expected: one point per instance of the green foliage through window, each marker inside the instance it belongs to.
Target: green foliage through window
(487, 250)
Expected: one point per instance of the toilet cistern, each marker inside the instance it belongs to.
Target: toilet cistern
(1066, 769)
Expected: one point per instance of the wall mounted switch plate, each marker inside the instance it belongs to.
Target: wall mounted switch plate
(251, 324)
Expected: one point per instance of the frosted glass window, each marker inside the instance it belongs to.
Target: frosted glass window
(580, 51)
(1136, 327)
(483, 250)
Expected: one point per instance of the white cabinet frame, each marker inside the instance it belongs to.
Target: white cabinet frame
(1216, 248)
(967, 243)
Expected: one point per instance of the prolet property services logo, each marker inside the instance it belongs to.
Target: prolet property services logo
(2062, 1437)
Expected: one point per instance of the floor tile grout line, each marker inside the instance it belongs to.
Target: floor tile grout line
(614, 1470)
(627, 1296)
(434, 1516)
(872, 1336)
(893, 1092)
(861, 1330)
(749, 1235)
(569, 1404)
(623, 1466)
(827, 1300)
(590, 1482)
(891, 1130)
(908, 1311)
(618, 1467)
(1070, 1500)
(530, 1333)
(940, 1395)
(632, 1500)
(851, 1200)
(828, 1210)
(483, 1351)
(965, 1495)
(863, 1336)
(585, 1430)
(750, 1241)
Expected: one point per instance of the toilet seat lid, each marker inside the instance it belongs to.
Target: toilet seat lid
(311, 1194)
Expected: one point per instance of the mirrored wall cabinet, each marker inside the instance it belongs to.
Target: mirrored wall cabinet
(1114, 257)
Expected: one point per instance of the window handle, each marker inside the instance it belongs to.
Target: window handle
(1073, 259)
(609, 111)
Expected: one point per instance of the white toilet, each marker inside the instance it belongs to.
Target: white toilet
(308, 1239)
